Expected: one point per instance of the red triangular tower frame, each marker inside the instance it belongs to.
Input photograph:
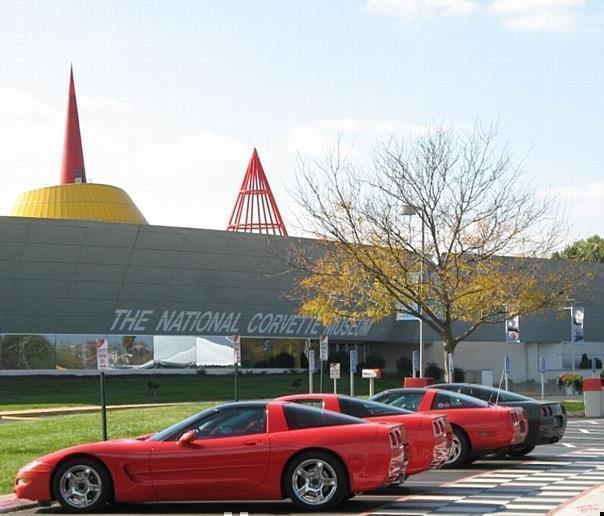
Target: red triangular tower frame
(255, 209)
(72, 169)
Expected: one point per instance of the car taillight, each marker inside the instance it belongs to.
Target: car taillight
(547, 411)
(396, 439)
(439, 427)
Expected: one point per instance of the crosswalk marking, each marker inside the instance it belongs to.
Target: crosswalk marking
(521, 488)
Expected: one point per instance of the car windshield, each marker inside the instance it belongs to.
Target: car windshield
(177, 427)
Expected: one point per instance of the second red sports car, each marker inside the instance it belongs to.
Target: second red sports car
(478, 428)
(239, 451)
(429, 435)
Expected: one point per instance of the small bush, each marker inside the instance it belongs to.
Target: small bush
(459, 375)
(285, 360)
(434, 371)
(373, 362)
(405, 366)
(340, 357)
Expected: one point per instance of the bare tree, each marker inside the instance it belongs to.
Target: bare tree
(470, 255)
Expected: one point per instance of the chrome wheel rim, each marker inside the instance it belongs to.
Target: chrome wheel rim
(455, 450)
(314, 482)
(80, 486)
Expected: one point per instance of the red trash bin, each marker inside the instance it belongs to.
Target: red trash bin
(409, 381)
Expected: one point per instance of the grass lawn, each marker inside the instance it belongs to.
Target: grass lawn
(22, 441)
(574, 406)
(24, 392)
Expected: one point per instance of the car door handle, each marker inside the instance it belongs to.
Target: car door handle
(253, 443)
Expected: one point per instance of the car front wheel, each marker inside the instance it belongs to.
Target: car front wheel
(82, 485)
(316, 481)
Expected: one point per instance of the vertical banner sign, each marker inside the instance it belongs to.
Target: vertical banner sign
(353, 368)
(577, 314)
(311, 360)
(512, 329)
(323, 348)
(237, 349)
(354, 361)
(415, 361)
(542, 364)
(594, 364)
(452, 367)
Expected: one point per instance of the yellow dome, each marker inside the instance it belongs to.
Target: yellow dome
(79, 201)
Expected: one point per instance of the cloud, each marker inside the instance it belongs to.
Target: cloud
(522, 15)
(408, 8)
(537, 15)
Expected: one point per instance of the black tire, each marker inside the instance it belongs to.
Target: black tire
(305, 481)
(460, 450)
(521, 452)
(89, 481)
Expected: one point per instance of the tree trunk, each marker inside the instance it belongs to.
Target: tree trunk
(448, 349)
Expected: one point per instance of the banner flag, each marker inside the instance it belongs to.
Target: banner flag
(512, 329)
(577, 315)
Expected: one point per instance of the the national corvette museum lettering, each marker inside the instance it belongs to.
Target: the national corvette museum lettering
(189, 322)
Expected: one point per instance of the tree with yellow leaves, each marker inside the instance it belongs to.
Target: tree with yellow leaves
(471, 254)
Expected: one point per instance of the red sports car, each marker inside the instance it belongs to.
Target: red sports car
(237, 451)
(478, 427)
(429, 435)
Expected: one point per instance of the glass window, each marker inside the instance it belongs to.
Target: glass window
(217, 422)
(449, 400)
(365, 408)
(407, 400)
(231, 422)
(311, 403)
(298, 417)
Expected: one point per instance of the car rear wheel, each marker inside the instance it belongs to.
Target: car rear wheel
(316, 481)
(460, 450)
(82, 485)
(520, 452)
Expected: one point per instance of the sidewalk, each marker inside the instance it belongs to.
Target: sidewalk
(86, 409)
(10, 503)
(589, 503)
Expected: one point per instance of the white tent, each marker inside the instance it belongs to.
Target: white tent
(193, 351)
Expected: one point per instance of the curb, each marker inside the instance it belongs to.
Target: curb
(10, 503)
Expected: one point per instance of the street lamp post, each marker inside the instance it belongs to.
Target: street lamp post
(412, 210)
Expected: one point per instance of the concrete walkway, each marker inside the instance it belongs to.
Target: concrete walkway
(85, 409)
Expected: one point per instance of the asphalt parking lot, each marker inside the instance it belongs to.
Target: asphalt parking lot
(546, 479)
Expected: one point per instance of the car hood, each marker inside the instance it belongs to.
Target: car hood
(96, 448)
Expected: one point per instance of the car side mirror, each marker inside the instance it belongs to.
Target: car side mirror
(186, 438)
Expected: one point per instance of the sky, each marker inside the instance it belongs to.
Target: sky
(174, 95)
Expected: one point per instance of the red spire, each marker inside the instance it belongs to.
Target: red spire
(256, 200)
(72, 170)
